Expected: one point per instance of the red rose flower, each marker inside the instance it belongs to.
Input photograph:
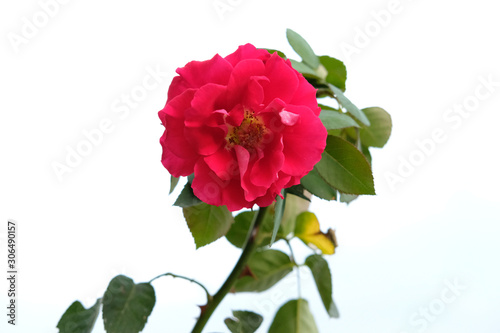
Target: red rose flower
(247, 125)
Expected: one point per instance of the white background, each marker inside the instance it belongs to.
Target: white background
(112, 214)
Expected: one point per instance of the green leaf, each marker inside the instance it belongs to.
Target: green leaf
(345, 168)
(279, 208)
(337, 73)
(77, 319)
(264, 269)
(207, 223)
(347, 104)
(366, 152)
(238, 232)
(298, 191)
(337, 132)
(379, 131)
(327, 107)
(323, 278)
(244, 322)
(294, 317)
(303, 68)
(347, 198)
(173, 183)
(126, 305)
(336, 120)
(302, 48)
(187, 198)
(317, 185)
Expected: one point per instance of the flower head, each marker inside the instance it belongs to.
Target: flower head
(247, 125)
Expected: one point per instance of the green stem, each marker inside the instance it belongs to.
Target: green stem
(297, 268)
(248, 249)
(209, 297)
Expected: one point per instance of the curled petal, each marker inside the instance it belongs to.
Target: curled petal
(289, 118)
(205, 102)
(265, 170)
(250, 190)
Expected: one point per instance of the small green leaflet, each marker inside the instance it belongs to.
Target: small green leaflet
(126, 305)
(337, 73)
(244, 322)
(345, 168)
(207, 223)
(323, 278)
(347, 104)
(279, 208)
(317, 186)
(379, 131)
(77, 319)
(173, 183)
(294, 317)
(302, 48)
(187, 198)
(336, 120)
(264, 269)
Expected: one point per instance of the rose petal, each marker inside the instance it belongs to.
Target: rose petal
(303, 143)
(177, 106)
(265, 170)
(247, 51)
(176, 139)
(204, 103)
(288, 118)
(236, 115)
(254, 94)
(283, 81)
(274, 191)
(177, 87)
(175, 165)
(243, 72)
(234, 198)
(205, 140)
(243, 157)
(172, 117)
(206, 185)
(198, 73)
(224, 164)
(250, 190)
(305, 95)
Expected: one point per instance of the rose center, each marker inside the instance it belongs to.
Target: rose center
(249, 134)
